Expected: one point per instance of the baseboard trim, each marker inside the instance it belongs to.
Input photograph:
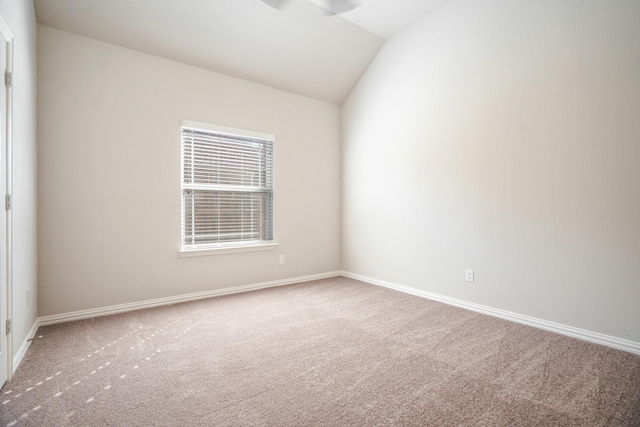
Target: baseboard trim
(22, 351)
(594, 337)
(121, 308)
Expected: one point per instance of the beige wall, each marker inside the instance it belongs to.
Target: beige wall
(496, 135)
(109, 184)
(503, 136)
(19, 16)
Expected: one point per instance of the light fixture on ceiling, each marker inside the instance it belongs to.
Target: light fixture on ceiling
(335, 7)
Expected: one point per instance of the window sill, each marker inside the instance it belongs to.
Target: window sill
(227, 249)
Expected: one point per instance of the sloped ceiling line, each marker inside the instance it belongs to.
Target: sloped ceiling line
(299, 50)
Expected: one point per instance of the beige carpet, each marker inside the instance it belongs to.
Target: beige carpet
(333, 352)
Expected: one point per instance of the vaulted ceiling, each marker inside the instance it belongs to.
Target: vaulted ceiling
(300, 49)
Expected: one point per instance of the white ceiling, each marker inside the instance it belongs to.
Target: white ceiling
(386, 17)
(299, 49)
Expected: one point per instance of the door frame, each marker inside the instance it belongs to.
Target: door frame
(7, 37)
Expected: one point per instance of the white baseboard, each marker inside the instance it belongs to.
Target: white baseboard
(121, 308)
(594, 337)
(22, 351)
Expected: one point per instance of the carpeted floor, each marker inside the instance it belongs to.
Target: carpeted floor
(334, 352)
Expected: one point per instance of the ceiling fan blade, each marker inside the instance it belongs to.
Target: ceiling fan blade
(277, 4)
(341, 6)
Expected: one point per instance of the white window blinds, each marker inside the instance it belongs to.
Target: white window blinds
(227, 187)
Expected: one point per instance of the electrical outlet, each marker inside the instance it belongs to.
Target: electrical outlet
(281, 260)
(468, 275)
(28, 298)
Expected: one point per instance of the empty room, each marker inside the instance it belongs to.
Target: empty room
(320, 213)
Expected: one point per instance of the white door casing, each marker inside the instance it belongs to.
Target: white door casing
(6, 49)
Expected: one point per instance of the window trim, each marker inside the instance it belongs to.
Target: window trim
(231, 247)
(226, 130)
(220, 250)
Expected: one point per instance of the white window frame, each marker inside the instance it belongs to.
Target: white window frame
(229, 247)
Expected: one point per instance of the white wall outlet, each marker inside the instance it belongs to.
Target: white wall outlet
(281, 260)
(468, 275)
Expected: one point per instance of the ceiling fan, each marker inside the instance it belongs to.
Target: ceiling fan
(335, 7)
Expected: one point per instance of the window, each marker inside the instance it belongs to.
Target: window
(227, 188)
